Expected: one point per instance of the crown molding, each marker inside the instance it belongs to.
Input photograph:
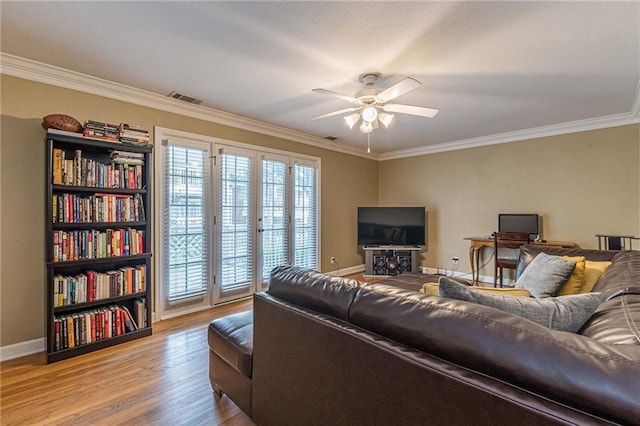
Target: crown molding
(537, 132)
(49, 74)
(56, 76)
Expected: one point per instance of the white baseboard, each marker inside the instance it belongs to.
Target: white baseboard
(460, 274)
(346, 271)
(21, 349)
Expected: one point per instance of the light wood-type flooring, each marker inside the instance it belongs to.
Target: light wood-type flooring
(157, 380)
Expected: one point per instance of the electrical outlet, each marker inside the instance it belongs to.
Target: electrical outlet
(455, 260)
(333, 260)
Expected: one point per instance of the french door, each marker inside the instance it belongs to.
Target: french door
(232, 212)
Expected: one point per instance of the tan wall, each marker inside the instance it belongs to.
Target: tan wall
(582, 184)
(347, 181)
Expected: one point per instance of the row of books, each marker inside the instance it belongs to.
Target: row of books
(97, 324)
(90, 286)
(81, 171)
(101, 130)
(74, 208)
(123, 132)
(125, 157)
(95, 244)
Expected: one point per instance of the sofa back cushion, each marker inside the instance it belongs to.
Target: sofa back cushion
(617, 320)
(313, 290)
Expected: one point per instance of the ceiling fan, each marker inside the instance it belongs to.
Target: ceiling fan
(371, 103)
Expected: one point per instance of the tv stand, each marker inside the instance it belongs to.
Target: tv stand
(390, 260)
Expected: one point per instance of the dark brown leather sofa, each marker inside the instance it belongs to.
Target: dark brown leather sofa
(331, 351)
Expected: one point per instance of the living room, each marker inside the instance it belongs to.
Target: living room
(583, 178)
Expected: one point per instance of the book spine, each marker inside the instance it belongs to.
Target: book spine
(58, 157)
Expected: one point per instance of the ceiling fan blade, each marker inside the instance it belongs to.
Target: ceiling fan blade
(337, 95)
(413, 110)
(400, 88)
(331, 114)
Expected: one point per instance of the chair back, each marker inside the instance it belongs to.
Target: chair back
(506, 240)
(512, 240)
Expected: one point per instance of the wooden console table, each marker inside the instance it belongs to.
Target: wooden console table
(477, 243)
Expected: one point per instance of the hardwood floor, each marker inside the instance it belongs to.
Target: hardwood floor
(157, 380)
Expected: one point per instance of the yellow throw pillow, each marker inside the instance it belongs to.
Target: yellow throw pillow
(432, 289)
(505, 291)
(593, 271)
(576, 280)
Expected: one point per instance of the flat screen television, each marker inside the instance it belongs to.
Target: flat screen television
(519, 222)
(391, 226)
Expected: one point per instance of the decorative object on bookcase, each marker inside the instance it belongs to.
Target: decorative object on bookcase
(62, 122)
(98, 242)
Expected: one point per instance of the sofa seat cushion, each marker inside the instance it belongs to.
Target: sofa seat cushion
(231, 338)
(564, 313)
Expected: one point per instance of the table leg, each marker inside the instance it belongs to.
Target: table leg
(472, 258)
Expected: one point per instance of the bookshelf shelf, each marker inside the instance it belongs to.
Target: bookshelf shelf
(110, 300)
(97, 261)
(98, 225)
(94, 189)
(102, 297)
(90, 347)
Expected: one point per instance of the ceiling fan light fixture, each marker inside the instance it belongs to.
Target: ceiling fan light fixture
(369, 113)
(385, 119)
(366, 127)
(352, 119)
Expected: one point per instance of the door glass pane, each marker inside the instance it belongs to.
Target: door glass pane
(305, 212)
(184, 223)
(236, 222)
(274, 216)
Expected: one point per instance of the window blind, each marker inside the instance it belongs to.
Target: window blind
(236, 221)
(305, 215)
(185, 239)
(274, 220)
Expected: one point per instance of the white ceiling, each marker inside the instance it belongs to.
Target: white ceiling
(490, 67)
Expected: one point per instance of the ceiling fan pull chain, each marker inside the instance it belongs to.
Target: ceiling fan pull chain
(368, 143)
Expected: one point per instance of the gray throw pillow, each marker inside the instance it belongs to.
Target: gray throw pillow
(545, 275)
(565, 313)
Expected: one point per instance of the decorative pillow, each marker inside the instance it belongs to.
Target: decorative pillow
(576, 280)
(432, 289)
(564, 313)
(545, 275)
(592, 272)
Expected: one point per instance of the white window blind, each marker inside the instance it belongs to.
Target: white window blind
(185, 239)
(305, 215)
(236, 227)
(274, 219)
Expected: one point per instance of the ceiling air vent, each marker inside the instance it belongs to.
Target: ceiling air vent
(185, 98)
(331, 138)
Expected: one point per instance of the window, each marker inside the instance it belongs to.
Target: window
(236, 225)
(305, 213)
(229, 218)
(274, 220)
(184, 254)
